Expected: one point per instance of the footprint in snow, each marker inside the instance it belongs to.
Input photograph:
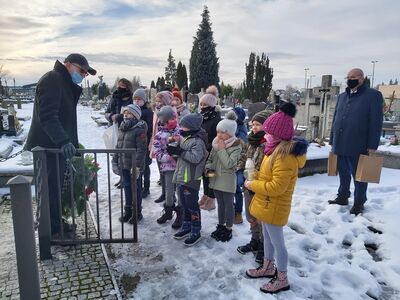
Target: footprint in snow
(297, 227)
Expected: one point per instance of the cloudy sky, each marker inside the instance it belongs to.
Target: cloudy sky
(126, 38)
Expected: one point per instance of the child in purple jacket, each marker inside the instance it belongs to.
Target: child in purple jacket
(168, 132)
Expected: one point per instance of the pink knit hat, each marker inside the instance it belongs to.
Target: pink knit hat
(165, 96)
(280, 124)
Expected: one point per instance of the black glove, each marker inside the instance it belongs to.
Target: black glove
(68, 150)
(174, 150)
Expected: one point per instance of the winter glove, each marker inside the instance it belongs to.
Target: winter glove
(174, 150)
(115, 168)
(68, 150)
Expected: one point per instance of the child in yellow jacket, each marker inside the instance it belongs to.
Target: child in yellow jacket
(273, 188)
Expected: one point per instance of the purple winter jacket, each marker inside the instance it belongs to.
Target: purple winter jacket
(167, 162)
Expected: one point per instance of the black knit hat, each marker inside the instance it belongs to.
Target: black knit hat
(261, 116)
(192, 121)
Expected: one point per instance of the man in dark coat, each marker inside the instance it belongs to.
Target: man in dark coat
(54, 122)
(356, 129)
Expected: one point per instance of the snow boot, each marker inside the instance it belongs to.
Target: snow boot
(179, 217)
(184, 231)
(167, 215)
(339, 201)
(277, 284)
(357, 209)
(226, 235)
(160, 199)
(210, 204)
(238, 218)
(145, 193)
(202, 201)
(127, 215)
(252, 246)
(217, 233)
(193, 239)
(260, 253)
(267, 270)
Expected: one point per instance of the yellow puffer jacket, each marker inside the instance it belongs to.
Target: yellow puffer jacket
(274, 188)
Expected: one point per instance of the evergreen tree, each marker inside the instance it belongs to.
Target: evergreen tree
(396, 82)
(170, 70)
(390, 82)
(181, 76)
(162, 83)
(367, 81)
(152, 85)
(204, 65)
(135, 83)
(258, 82)
(226, 90)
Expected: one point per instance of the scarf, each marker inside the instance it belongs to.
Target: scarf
(128, 124)
(256, 139)
(228, 143)
(271, 143)
(208, 113)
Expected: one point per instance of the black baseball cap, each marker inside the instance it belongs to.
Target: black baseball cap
(81, 61)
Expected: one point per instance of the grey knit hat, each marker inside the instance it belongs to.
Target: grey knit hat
(134, 110)
(192, 121)
(228, 124)
(166, 113)
(141, 93)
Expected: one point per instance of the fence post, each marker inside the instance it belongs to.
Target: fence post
(42, 195)
(134, 194)
(24, 233)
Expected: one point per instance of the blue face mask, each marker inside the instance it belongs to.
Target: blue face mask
(76, 77)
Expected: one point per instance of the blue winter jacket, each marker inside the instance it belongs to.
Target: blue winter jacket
(357, 122)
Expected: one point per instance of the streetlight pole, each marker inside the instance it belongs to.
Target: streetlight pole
(311, 76)
(305, 78)
(373, 72)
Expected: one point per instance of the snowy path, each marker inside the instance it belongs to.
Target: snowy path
(327, 254)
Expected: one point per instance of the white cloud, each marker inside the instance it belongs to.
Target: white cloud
(128, 38)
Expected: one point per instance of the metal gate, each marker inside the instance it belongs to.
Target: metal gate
(72, 183)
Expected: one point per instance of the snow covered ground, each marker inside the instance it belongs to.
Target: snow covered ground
(327, 254)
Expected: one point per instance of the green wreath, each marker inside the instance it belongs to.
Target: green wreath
(83, 173)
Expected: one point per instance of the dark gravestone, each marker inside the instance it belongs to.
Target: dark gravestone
(255, 108)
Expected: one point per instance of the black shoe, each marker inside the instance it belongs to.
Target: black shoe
(167, 215)
(127, 215)
(252, 246)
(357, 209)
(339, 201)
(217, 233)
(139, 218)
(179, 217)
(226, 235)
(145, 193)
(160, 199)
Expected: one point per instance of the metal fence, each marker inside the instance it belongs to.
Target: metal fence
(69, 174)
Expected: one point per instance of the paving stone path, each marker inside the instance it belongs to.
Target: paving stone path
(79, 272)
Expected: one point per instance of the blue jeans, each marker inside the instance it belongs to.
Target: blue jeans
(239, 193)
(126, 181)
(347, 166)
(190, 197)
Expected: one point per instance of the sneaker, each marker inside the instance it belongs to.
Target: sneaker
(216, 234)
(277, 284)
(193, 239)
(252, 246)
(267, 270)
(238, 218)
(339, 201)
(226, 235)
(357, 209)
(181, 234)
(160, 199)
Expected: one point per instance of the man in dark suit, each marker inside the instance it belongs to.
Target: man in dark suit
(356, 129)
(54, 123)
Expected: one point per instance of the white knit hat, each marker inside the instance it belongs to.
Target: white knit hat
(228, 124)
